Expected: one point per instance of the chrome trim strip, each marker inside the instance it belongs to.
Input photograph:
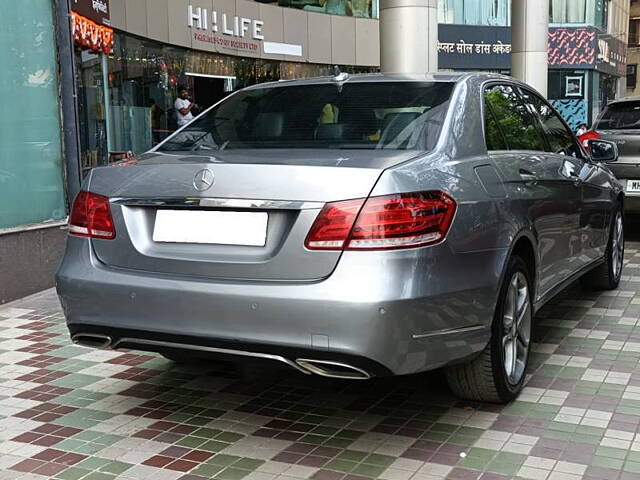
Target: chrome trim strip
(218, 203)
(318, 370)
(450, 331)
(200, 348)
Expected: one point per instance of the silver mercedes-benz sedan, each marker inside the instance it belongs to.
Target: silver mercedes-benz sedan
(349, 227)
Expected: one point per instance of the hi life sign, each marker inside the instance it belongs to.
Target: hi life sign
(239, 27)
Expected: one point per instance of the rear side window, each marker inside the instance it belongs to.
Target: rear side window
(559, 137)
(620, 116)
(513, 118)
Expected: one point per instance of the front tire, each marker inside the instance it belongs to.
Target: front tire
(498, 374)
(607, 276)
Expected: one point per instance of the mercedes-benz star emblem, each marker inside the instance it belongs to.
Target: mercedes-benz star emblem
(203, 180)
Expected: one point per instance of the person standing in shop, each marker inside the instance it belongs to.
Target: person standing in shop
(184, 107)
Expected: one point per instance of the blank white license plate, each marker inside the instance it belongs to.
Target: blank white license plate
(633, 185)
(222, 228)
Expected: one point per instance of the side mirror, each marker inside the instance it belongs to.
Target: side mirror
(603, 151)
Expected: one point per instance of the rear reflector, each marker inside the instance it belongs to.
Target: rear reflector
(91, 217)
(405, 220)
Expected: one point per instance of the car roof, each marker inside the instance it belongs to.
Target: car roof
(625, 100)
(383, 77)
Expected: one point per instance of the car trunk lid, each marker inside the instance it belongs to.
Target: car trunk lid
(286, 192)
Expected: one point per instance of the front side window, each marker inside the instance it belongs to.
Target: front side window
(359, 115)
(514, 120)
(559, 137)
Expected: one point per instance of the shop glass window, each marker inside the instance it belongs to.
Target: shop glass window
(397, 116)
(559, 137)
(31, 175)
(515, 121)
(351, 8)
(592, 12)
(475, 12)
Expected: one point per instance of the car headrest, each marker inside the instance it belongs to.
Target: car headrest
(269, 125)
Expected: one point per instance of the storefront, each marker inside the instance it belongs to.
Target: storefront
(127, 90)
(582, 78)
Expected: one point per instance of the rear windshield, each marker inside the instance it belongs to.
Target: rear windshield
(620, 116)
(385, 115)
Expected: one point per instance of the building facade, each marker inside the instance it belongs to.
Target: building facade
(587, 48)
(632, 84)
(32, 192)
(128, 91)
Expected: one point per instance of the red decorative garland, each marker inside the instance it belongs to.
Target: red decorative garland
(90, 35)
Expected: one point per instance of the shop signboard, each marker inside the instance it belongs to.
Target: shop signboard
(95, 10)
(231, 31)
(474, 47)
(489, 48)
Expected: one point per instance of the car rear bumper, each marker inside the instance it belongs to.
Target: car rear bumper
(384, 313)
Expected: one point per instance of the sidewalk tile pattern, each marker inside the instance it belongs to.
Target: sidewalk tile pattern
(70, 413)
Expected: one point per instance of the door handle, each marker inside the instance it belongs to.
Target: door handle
(528, 176)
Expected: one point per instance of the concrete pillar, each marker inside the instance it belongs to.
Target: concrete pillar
(530, 32)
(409, 36)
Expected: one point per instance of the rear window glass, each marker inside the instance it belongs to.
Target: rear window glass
(620, 116)
(375, 115)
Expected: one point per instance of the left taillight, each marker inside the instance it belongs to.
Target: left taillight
(91, 217)
(405, 220)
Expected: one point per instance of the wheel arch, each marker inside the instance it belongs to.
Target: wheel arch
(524, 245)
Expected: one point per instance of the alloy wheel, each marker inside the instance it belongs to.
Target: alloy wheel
(516, 324)
(617, 245)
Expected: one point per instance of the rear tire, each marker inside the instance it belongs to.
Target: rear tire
(498, 374)
(607, 276)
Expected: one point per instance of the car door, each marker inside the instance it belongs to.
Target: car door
(534, 181)
(564, 149)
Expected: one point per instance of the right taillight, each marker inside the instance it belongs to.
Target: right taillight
(404, 220)
(91, 217)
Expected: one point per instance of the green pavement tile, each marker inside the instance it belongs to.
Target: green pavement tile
(314, 419)
(605, 462)
(191, 442)
(481, 453)
(116, 467)
(340, 465)
(371, 471)
(610, 452)
(324, 431)
(107, 439)
(178, 417)
(474, 463)
(87, 435)
(463, 440)
(89, 448)
(229, 437)
(571, 372)
(92, 463)
(70, 445)
(633, 467)
(319, 439)
(213, 446)
(334, 442)
(505, 468)
(207, 470)
(590, 431)
(223, 460)
(201, 421)
(443, 427)
(206, 433)
(73, 473)
(248, 463)
(352, 456)
(232, 474)
(379, 460)
(436, 436)
(99, 476)
(349, 434)
(77, 380)
(547, 370)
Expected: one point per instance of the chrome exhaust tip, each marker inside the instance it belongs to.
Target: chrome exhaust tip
(92, 340)
(326, 368)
